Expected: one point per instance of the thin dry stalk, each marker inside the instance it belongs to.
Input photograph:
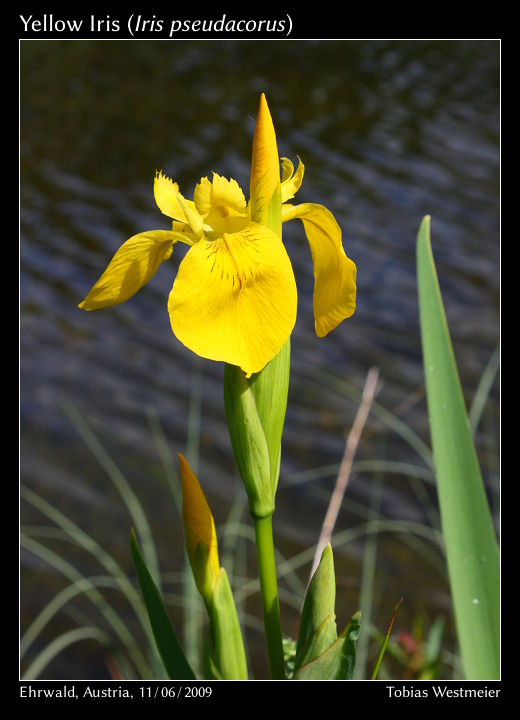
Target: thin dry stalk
(369, 393)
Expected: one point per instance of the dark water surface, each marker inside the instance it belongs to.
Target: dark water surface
(388, 132)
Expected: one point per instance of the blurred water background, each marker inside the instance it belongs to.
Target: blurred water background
(388, 131)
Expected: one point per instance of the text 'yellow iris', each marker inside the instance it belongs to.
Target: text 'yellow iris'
(234, 298)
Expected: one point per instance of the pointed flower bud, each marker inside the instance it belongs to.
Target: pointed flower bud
(199, 531)
(265, 190)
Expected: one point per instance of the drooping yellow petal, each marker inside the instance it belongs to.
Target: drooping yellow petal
(265, 166)
(234, 298)
(183, 233)
(291, 181)
(199, 531)
(166, 193)
(133, 265)
(334, 273)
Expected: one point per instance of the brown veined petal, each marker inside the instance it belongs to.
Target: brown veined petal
(133, 265)
(234, 299)
(334, 297)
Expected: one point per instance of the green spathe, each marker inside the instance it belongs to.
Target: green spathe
(320, 653)
(339, 661)
(225, 656)
(318, 620)
(471, 546)
(255, 413)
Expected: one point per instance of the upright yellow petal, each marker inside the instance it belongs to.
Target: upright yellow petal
(265, 165)
(133, 265)
(202, 196)
(291, 181)
(227, 194)
(234, 298)
(334, 273)
(219, 199)
(193, 218)
(199, 531)
(166, 193)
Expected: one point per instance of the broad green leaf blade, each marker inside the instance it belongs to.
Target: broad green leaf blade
(339, 661)
(471, 545)
(166, 639)
(318, 620)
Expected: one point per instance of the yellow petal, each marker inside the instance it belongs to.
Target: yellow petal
(334, 273)
(133, 265)
(183, 233)
(287, 169)
(193, 218)
(199, 531)
(202, 196)
(227, 193)
(291, 181)
(265, 167)
(166, 194)
(234, 298)
(221, 193)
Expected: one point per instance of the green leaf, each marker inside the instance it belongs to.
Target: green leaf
(433, 650)
(471, 545)
(318, 620)
(339, 661)
(166, 639)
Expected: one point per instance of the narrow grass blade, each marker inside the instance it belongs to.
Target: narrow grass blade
(368, 572)
(385, 642)
(165, 636)
(78, 587)
(483, 390)
(93, 594)
(471, 546)
(84, 540)
(60, 643)
(388, 418)
(121, 484)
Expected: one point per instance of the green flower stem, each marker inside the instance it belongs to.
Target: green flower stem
(269, 590)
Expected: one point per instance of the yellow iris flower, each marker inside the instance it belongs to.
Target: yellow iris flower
(234, 298)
